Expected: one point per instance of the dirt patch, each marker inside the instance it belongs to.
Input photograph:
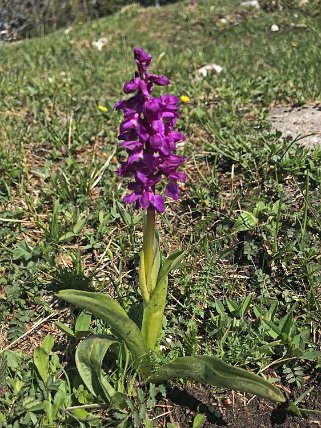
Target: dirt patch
(235, 410)
(294, 121)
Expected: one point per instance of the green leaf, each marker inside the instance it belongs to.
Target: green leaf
(245, 221)
(32, 405)
(89, 358)
(83, 322)
(213, 371)
(311, 355)
(79, 225)
(22, 251)
(48, 343)
(246, 305)
(148, 423)
(286, 324)
(219, 307)
(59, 400)
(142, 277)
(110, 311)
(295, 409)
(272, 311)
(65, 329)
(153, 314)
(170, 263)
(41, 361)
(275, 331)
(199, 420)
(154, 310)
(233, 307)
(13, 359)
(119, 401)
(152, 276)
(48, 409)
(69, 236)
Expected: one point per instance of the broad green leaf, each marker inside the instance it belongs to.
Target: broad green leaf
(41, 361)
(110, 311)
(83, 322)
(90, 354)
(13, 359)
(48, 343)
(153, 314)
(199, 420)
(244, 222)
(154, 310)
(213, 371)
(22, 251)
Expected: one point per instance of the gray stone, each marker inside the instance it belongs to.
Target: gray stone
(294, 121)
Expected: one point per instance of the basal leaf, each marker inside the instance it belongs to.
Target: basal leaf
(89, 358)
(106, 308)
(244, 222)
(213, 371)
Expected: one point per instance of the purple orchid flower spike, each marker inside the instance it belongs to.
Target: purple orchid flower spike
(147, 133)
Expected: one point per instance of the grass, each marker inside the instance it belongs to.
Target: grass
(249, 217)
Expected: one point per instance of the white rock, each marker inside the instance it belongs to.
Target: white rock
(208, 70)
(275, 28)
(100, 43)
(251, 3)
(223, 21)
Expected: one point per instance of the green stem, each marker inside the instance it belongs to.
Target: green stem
(149, 238)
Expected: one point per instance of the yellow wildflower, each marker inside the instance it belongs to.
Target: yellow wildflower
(185, 99)
(102, 108)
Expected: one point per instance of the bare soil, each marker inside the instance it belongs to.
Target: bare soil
(294, 121)
(235, 410)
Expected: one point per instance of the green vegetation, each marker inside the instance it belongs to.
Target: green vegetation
(249, 221)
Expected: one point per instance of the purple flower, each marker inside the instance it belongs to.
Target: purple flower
(147, 134)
